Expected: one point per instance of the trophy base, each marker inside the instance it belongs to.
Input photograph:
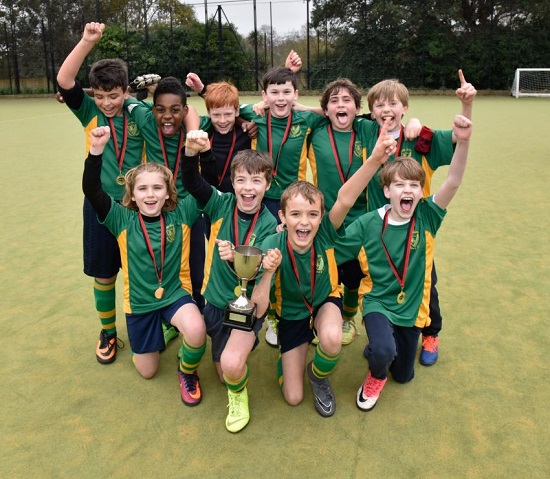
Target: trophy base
(240, 319)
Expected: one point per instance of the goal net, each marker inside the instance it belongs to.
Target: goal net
(531, 82)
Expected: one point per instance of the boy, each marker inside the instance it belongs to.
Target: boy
(164, 127)
(305, 291)
(153, 231)
(109, 82)
(394, 245)
(237, 219)
(337, 149)
(389, 99)
(222, 104)
(282, 133)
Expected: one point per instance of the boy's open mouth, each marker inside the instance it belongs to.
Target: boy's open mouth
(342, 117)
(406, 204)
(168, 129)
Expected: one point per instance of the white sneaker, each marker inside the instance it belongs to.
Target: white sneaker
(271, 332)
(369, 392)
(349, 331)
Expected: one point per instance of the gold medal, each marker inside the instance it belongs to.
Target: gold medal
(311, 322)
(121, 180)
(401, 297)
(159, 292)
(238, 290)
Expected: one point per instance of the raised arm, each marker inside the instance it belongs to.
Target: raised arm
(260, 295)
(462, 129)
(196, 143)
(351, 189)
(69, 69)
(191, 120)
(194, 82)
(466, 93)
(293, 61)
(91, 179)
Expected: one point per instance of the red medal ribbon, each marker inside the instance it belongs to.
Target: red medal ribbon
(399, 276)
(119, 154)
(309, 304)
(270, 139)
(158, 270)
(337, 159)
(229, 155)
(165, 156)
(250, 226)
(398, 149)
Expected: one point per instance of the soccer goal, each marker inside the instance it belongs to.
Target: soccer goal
(531, 82)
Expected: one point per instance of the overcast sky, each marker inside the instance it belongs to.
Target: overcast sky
(288, 15)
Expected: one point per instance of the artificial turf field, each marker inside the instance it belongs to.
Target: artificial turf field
(481, 412)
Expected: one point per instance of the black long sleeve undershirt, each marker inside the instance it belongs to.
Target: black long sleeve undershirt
(91, 185)
(199, 184)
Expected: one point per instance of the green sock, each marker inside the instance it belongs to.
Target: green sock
(351, 303)
(280, 370)
(323, 364)
(105, 303)
(239, 384)
(191, 357)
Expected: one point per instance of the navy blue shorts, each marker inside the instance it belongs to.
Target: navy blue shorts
(145, 329)
(391, 348)
(293, 333)
(213, 318)
(101, 253)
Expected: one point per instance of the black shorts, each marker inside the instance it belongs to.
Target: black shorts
(101, 252)
(145, 329)
(295, 332)
(213, 318)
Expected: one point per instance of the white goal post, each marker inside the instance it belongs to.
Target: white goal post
(531, 82)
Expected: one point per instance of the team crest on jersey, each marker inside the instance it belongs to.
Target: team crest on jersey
(170, 233)
(357, 149)
(133, 129)
(319, 265)
(407, 152)
(415, 240)
(295, 131)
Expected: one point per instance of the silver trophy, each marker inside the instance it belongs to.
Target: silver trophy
(240, 313)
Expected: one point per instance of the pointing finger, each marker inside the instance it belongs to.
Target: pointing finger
(461, 78)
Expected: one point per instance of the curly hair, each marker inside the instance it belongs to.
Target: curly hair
(172, 201)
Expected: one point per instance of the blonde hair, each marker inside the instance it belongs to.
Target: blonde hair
(388, 90)
(406, 168)
(310, 192)
(172, 201)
